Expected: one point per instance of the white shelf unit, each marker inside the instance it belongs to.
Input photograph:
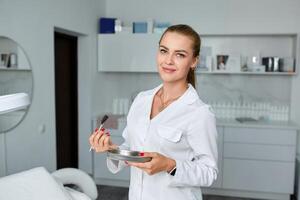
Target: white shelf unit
(248, 45)
(137, 52)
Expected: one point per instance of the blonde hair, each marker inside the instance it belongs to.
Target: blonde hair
(192, 34)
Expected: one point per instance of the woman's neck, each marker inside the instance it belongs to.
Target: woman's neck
(174, 90)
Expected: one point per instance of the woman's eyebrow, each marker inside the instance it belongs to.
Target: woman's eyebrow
(163, 46)
(181, 51)
(178, 51)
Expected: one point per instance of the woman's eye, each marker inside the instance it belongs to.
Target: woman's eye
(180, 55)
(162, 51)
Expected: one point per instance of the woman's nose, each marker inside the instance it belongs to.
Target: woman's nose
(169, 59)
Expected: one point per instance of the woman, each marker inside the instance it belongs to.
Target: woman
(171, 125)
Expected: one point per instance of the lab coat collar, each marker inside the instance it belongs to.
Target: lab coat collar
(189, 96)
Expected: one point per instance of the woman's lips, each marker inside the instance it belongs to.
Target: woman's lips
(168, 70)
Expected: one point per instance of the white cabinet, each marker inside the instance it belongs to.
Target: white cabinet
(218, 182)
(2, 156)
(137, 52)
(254, 162)
(260, 136)
(127, 52)
(259, 160)
(259, 176)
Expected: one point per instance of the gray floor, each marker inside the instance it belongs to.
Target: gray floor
(112, 193)
(118, 193)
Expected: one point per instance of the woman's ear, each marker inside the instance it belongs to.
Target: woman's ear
(195, 62)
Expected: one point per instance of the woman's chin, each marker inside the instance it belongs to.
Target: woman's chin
(168, 79)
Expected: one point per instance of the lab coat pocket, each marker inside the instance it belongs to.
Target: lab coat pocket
(169, 134)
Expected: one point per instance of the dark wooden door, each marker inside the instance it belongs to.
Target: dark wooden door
(66, 105)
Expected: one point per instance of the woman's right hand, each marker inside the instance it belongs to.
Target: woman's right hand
(100, 141)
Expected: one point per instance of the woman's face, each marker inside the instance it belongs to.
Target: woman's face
(175, 57)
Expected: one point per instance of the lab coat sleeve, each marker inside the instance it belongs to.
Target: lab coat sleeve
(115, 166)
(202, 169)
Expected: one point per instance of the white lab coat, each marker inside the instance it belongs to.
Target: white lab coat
(184, 131)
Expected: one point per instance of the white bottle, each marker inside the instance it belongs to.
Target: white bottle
(260, 111)
(115, 106)
(251, 110)
(226, 110)
(266, 111)
(126, 105)
(272, 113)
(238, 109)
(121, 107)
(150, 25)
(255, 110)
(287, 113)
(118, 25)
(234, 110)
(230, 110)
(217, 109)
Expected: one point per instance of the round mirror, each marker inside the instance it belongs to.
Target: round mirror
(16, 84)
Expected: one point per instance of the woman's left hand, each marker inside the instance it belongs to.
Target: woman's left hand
(158, 163)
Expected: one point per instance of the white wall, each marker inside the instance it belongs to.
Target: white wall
(206, 16)
(214, 16)
(31, 23)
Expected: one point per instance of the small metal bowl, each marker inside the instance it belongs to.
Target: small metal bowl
(127, 155)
